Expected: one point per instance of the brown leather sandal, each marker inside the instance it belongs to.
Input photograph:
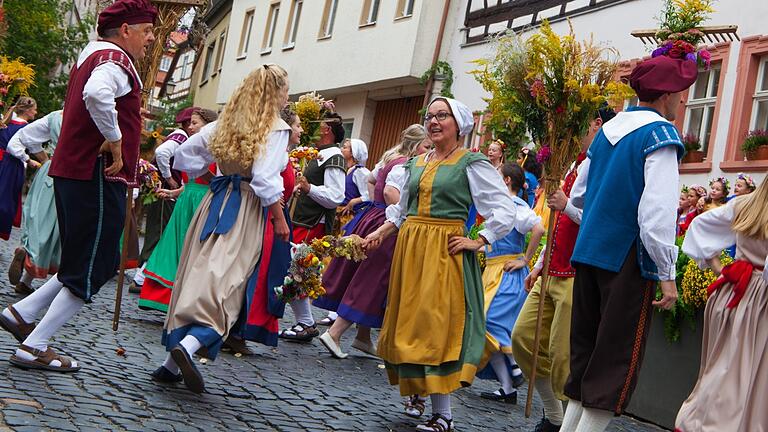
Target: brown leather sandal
(43, 360)
(19, 331)
(415, 406)
(438, 423)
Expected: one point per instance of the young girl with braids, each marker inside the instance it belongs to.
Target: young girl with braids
(729, 394)
(224, 242)
(504, 284)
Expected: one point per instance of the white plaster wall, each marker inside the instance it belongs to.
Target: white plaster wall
(352, 56)
(612, 25)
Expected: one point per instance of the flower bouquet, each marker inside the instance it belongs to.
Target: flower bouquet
(310, 108)
(149, 182)
(300, 157)
(305, 274)
(16, 78)
(680, 33)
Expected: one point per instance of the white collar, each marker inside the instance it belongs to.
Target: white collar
(327, 153)
(99, 45)
(627, 122)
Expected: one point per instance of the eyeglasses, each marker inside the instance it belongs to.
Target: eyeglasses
(440, 116)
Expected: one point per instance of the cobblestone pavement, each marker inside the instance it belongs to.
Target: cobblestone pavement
(293, 387)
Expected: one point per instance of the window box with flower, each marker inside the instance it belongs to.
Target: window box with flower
(755, 146)
(693, 153)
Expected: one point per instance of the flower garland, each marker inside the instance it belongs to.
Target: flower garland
(304, 279)
(748, 180)
(684, 189)
(723, 181)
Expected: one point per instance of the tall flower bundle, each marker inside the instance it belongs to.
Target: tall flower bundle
(300, 157)
(310, 108)
(549, 87)
(679, 31)
(16, 78)
(305, 273)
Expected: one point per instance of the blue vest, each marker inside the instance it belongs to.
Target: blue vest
(615, 184)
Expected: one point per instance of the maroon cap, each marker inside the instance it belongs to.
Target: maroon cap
(185, 114)
(128, 12)
(659, 75)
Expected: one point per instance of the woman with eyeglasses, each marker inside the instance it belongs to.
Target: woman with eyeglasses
(433, 335)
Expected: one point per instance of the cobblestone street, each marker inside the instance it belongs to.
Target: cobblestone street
(290, 388)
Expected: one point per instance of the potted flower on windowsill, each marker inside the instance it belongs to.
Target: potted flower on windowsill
(693, 153)
(755, 146)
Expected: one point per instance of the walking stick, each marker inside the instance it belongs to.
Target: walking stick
(540, 313)
(123, 259)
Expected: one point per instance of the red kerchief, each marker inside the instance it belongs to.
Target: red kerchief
(128, 12)
(654, 77)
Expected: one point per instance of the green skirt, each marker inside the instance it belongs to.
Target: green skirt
(160, 271)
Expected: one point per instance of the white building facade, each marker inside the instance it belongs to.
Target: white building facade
(725, 104)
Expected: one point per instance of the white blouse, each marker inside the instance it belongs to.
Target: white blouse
(164, 152)
(31, 137)
(360, 178)
(194, 158)
(489, 194)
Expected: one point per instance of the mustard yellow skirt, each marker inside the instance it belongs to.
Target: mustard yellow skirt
(433, 338)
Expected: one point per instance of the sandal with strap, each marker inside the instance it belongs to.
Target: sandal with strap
(326, 322)
(438, 423)
(43, 360)
(20, 329)
(17, 265)
(300, 333)
(415, 406)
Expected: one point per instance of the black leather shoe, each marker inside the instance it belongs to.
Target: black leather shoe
(518, 380)
(192, 377)
(546, 426)
(501, 396)
(163, 375)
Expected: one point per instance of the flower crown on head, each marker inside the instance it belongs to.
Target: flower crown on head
(684, 189)
(724, 181)
(699, 189)
(748, 180)
(499, 143)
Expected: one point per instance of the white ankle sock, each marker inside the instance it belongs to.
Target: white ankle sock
(572, 416)
(27, 279)
(553, 408)
(302, 311)
(190, 344)
(441, 404)
(62, 309)
(499, 365)
(594, 420)
(31, 306)
(138, 278)
(171, 365)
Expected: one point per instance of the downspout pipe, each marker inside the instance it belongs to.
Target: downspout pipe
(436, 55)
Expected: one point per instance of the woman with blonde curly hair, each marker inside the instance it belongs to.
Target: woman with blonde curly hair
(224, 241)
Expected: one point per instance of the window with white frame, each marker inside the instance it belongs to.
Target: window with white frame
(370, 12)
(245, 36)
(165, 63)
(186, 65)
(293, 24)
(220, 51)
(700, 109)
(760, 104)
(209, 58)
(269, 29)
(405, 8)
(329, 17)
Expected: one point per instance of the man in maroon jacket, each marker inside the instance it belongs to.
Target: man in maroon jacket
(96, 160)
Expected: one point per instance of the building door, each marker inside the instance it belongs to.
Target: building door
(391, 118)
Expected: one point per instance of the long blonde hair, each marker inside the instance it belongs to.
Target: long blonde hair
(410, 139)
(247, 119)
(751, 218)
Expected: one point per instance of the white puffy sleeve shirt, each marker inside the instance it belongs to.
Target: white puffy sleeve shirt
(31, 137)
(360, 177)
(164, 152)
(194, 158)
(489, 194)
(710, 233)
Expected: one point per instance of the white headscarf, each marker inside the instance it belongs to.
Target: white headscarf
(359, 150)
(461, 114)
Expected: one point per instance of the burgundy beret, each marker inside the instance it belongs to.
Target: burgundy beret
(185, 114)
(659, 75)
(128, 12)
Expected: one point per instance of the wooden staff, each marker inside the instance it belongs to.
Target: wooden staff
(123, 259)
(550, 186)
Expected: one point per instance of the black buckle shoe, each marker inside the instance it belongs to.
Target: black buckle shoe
(163, 375)
(546, 426)
(501, 396)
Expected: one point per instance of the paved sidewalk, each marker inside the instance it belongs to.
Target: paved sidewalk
(294, 387)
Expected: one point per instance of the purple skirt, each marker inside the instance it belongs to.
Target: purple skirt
(358, 291)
